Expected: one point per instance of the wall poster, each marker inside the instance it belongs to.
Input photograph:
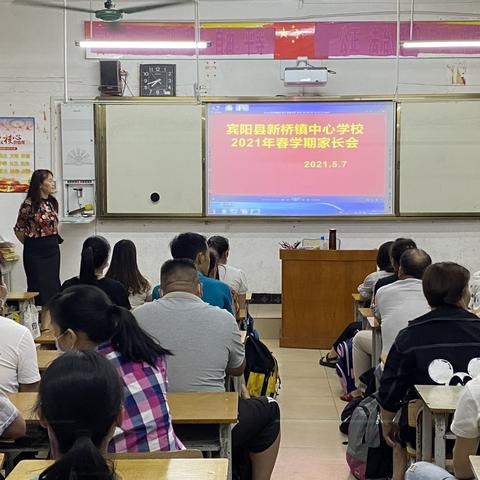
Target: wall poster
(17, 153)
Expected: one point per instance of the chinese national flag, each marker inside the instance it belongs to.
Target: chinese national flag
(294, 40)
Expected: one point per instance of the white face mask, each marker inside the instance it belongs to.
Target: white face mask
(57, 345)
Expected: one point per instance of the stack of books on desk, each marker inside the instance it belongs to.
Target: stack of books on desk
(8, 252)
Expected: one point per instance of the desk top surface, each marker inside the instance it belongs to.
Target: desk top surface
(356, 297)
(21, 296)
(46, 338)
(440, 398)
(46, 357)
(143, 469)
(475, 463)
(185, 407)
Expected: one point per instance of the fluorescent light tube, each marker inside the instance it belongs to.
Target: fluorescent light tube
(419, 44)
(142, 45)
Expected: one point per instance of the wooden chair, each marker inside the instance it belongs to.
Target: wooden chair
(188, 453)
(414, 410)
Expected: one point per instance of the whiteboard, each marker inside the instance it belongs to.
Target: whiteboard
(439, 157)
(153, 149)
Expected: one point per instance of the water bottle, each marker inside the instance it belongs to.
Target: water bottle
(332, 239)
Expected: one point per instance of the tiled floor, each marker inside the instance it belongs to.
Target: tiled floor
(311, 446)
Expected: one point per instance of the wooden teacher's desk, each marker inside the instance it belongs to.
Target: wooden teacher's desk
(317, 288)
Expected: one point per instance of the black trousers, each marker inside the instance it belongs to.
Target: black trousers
(41, 260)
(350, 330)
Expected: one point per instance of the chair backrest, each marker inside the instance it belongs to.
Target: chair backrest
(414, 406)
(189, 453)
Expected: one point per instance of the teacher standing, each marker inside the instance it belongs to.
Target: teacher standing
(37, 229)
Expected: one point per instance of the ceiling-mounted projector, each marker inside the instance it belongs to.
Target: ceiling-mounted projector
(303, 75)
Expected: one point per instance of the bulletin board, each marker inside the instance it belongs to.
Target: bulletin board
(150, 159)
(438, 152)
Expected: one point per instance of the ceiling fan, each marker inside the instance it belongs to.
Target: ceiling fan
(107, 14)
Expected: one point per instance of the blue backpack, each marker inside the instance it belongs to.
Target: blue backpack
(344, 366)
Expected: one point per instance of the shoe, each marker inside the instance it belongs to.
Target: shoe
(327, 362)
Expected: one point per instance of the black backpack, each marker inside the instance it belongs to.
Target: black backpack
(261, 370)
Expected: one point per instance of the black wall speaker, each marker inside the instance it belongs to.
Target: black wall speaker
(110, 80)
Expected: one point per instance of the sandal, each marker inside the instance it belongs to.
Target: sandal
(327, 362)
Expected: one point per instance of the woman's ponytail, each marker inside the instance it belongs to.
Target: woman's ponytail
(87, 266)
(131, 340)
(83, 461)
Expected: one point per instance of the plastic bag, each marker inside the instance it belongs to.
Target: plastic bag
(29, 316)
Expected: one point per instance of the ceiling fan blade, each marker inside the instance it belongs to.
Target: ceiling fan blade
(151, 6)
(56, 6)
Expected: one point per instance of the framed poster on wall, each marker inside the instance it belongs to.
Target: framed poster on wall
(17, 153)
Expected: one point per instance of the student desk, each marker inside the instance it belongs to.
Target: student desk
(142, 469)
(187, 408)
(475, 463)
(440, 401)
(371, 323)
(46, 339)
(45, 358)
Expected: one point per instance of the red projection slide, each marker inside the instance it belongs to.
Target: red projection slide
(294, 159)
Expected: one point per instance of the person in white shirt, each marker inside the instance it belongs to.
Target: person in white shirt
(384, 269)
(18, 355)
(466, 427)
(403, 300)
(233, 277)
(400, 303)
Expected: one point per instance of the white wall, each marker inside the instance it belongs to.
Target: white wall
(31, 75)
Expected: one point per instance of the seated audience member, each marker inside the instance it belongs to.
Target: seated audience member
(94, 260)
(396, 305)
(194, 247)
(384, 268)
(466, 427)
(124, 269)
(80, 404)
(404, 300)
(18, 355)
(84, 318)
(233, 277)
(207, 347)
(12, 424)
(429, 351)
(399, 246)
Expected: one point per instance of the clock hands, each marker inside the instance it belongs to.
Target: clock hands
(154, 82)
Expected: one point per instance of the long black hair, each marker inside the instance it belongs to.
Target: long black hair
(80, 397)
(38, 177)
(88, 309)
(95, 251)
(124, 268)
(219, 244)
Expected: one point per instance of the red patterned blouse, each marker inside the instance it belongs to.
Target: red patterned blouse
(42, 223)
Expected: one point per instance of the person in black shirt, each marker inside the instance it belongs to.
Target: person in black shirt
(95, 252)
(435, 349)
